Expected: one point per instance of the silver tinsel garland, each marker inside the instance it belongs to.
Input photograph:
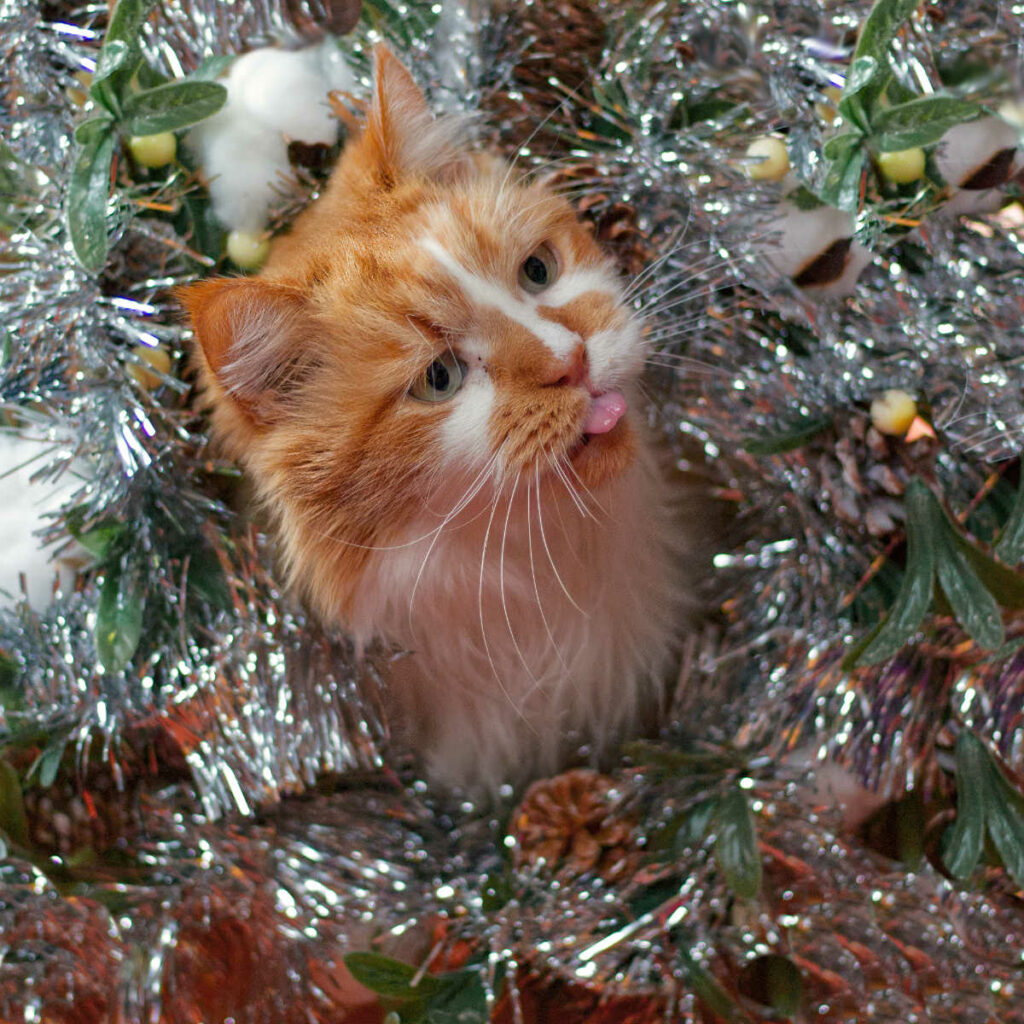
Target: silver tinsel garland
(259, 703)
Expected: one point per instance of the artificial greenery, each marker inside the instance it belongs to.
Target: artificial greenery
(125, 108)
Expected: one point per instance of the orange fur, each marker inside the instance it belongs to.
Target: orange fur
(474, 518)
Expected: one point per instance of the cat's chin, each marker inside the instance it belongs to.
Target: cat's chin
(598, 458)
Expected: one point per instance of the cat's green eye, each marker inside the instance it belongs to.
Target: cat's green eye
(539, 270)
(440, 380)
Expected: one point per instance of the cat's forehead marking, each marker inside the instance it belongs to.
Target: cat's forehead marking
(558, 339)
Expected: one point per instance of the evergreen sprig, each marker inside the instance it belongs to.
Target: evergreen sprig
(125, 108)
(878, 113)
(947, 569)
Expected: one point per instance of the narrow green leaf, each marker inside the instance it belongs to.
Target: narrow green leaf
(973, 605)
(1004, 815)
(172, 106)
(99, 538)
(707, 988)
(916, 587)
(389, 977)
(461, 999)
(113, 57)
(88, 192)
(47, 764)
(839, 147)
(119, 619)
(123, 28)
(774, 982)
(920, 122)
(860, 90)
(13, 821)
(736, 845)
(692, 826)
(1004, 584)
(842, 183)
(211, 68)
(92, 129)
(1010, 547)
(793, 436)
(881, 26)
(962, 842)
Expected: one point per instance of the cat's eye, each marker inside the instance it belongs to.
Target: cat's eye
(440, 380)
(539, 270)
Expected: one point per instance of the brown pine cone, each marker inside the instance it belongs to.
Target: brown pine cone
(575, 823)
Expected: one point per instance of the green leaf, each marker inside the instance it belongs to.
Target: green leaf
(98, 539)
(973, 605)
(1004, 584)
(1010, 547)
(707, 988)
(774, 982)
(93, 128)
(796, 435)
(842, 183)
(916, 587)
(804, 199)
(462, 999)
(920, 122)
(962, 843)
(390, 978)
(839, 147)
(47, 764)
(88, 192)
(123, 29)
(860, 90)
(881, 25)
(170, 107)
(1004, 815)
(211, 68)
(736, 845)
(13, 821)
(119, 619)
(692, 825)
(113, 57)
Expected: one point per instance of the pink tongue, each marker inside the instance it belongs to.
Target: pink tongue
(605, 411)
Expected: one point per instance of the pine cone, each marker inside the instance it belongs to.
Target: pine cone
(866, 474)
(558, 41)
(574, 823)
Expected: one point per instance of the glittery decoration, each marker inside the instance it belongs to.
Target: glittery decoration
(181, 863)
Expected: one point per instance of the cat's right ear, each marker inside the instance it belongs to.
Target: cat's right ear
(252, 336)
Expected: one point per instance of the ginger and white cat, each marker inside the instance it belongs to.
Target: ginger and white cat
(433, 386)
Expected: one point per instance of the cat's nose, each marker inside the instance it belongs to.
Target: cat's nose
(570, 372)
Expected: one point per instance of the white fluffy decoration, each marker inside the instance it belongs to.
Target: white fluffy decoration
(274, 97)
(22, 514)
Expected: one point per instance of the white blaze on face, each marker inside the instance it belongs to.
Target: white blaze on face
(560, 340)
(465, 434)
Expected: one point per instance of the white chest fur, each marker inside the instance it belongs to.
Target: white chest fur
(533, 626)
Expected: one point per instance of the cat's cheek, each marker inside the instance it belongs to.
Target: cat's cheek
(465, 433)
(616, 354)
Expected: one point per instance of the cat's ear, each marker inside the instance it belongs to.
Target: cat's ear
(402, 136)
(253, 336)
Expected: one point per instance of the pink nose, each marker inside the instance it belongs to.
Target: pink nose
(572, 372)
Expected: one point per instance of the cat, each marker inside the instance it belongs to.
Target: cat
(433, 384)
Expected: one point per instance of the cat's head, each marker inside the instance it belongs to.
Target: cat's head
(431, 322)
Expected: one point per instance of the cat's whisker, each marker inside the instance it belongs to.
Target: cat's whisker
(581, 507)
(473, 490)
(533, 574)
(587, 491)
(501, 585)
(551, 561)
(483, 619)
(647, 273)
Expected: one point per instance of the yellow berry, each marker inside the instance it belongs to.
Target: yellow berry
(157, 357)
(902, 165)
(893, 412)
(771, 161)
(247, 250)
(827, 110)
(153, 150)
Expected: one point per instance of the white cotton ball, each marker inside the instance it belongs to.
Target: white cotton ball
(285, 91)
(967, 149)
(334, 67)
(246, 166)
(795, 239)
(22, 513)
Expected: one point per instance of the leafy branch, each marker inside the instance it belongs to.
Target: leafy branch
(125, 109)
(878, 112)
(944, 566)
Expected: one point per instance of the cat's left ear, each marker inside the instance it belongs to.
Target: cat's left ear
(402, 136)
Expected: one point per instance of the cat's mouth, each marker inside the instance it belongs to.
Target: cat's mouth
(602, 446)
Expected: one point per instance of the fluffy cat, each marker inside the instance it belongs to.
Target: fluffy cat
(433, 386)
